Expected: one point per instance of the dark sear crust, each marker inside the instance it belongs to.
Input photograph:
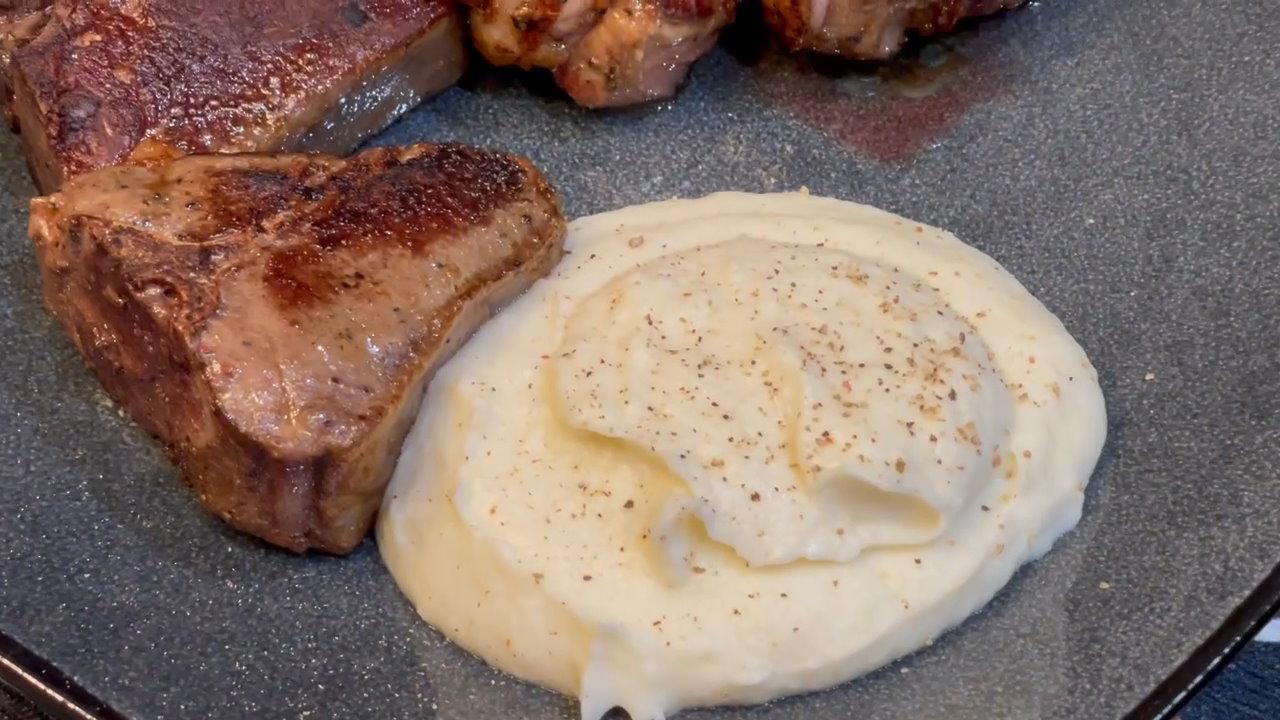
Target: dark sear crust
(105, 82)
(273, 319)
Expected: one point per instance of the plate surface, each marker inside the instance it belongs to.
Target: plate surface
(1121, 158)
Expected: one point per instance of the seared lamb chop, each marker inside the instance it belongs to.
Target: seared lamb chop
(869, 29)
(273, 319)
(101, 82)
(604, 53)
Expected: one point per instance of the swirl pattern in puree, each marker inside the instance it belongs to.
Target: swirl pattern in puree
(736, 448)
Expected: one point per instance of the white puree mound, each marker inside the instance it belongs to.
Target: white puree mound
(739, 447)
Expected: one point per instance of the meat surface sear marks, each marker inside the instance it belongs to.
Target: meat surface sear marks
(96, 83)
(273, 319)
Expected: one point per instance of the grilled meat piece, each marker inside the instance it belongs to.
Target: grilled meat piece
(604, 53)
(20, 20)
(869, 29)
(102, 82)
(273, 318)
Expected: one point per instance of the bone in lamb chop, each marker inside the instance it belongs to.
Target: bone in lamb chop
(273, 319)
(869, 29)
(603, 53)
(96, 83)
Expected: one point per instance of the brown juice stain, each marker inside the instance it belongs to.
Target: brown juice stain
(925, 76)
(891, 112)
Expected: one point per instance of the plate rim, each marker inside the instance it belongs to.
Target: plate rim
(53, 692)
(1209, 658)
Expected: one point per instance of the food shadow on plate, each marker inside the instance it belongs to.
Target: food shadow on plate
(484, 78)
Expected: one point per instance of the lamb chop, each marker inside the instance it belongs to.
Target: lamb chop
(603, 53)
(273, 319)
(101, 82)
(869, 29)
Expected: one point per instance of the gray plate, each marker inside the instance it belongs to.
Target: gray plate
(1120, 158)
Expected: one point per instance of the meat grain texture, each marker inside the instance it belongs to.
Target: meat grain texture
(102, 82)
(273, 319)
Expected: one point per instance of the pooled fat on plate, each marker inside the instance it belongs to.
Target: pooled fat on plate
(739, 447)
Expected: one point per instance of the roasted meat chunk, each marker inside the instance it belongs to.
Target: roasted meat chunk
(604, 53)
(273, 318)
(101, 82)
(869, 29)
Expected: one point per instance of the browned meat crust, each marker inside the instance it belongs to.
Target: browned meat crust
(869, 29)
(112, 81)
(273, 319)
(604, 53)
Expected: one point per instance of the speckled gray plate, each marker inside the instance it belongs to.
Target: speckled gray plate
(1121, 158)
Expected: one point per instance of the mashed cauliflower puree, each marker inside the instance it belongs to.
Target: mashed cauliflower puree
(736, 448)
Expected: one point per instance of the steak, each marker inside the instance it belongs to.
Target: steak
(103, 82)
(869, 29)
(273, 318)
